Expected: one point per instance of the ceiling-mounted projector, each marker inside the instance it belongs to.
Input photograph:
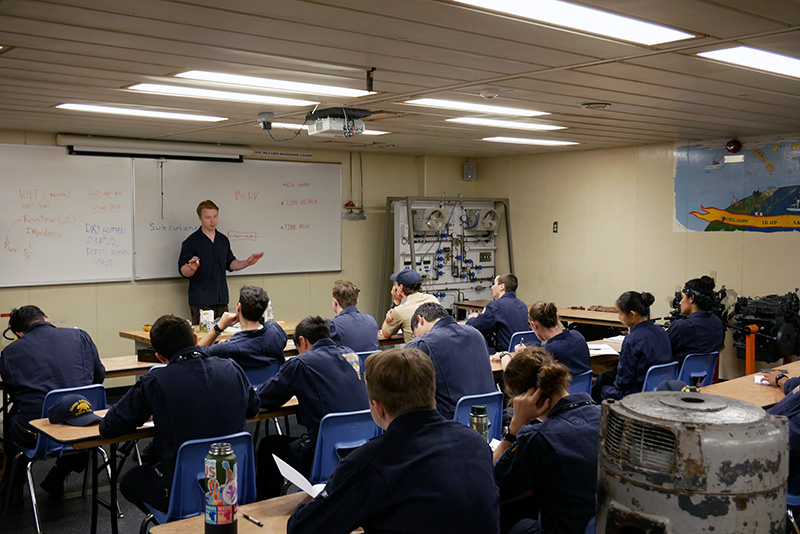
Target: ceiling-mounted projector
(337, 122)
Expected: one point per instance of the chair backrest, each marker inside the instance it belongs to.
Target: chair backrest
(698, 369)
(94, 393)
(581, 383)
(494, 407)
(337, 431)
(658, 373)
(259, 375)
(187, 497)
(362, 356)
(590, 526)
(528, 337)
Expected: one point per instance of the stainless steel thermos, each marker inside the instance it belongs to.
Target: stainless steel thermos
(479, 420)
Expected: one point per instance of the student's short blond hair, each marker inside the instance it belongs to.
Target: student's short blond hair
(402, 380)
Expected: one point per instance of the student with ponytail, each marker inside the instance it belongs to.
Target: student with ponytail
(647, 344)
(550, 449)
(566, 346)
(701, 330)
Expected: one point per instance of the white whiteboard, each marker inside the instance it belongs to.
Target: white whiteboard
(63, 219)
(291, 211)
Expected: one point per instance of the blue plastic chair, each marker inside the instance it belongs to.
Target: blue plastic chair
(527, 337)
(257, 376)
(494, 407)
(363, 357)
(590, 526)
(658, 373)
(187, 496)
(337, 431)
(45, 447)
(581, 383)
(698, 369)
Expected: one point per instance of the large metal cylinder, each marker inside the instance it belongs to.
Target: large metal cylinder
(678, 463)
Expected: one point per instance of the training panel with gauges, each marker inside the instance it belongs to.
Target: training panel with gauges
(451, 243)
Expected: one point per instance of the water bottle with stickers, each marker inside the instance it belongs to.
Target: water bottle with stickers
(222, 492)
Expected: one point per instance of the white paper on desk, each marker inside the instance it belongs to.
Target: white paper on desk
(601, 349)
(761, 379)
(615, 339)
(293, 476)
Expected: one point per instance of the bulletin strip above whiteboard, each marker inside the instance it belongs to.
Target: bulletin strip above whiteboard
(291, 211)
(64, 219)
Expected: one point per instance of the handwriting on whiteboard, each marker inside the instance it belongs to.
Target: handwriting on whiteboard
(245, 195)
(236, 235)
(293, 227)
(299, 202)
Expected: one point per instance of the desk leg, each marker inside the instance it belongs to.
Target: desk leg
(94, 491)
(112, 458)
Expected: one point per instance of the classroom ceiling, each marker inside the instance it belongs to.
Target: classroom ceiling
(90, 52)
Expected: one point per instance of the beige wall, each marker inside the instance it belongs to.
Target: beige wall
(615, 214)
(614, 209)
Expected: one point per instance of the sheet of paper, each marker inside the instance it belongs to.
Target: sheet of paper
(292, 475)
(760, 379)
(615, 339)
(601, 349)
(494, 444)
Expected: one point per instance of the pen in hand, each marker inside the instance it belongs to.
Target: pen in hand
(253, 520)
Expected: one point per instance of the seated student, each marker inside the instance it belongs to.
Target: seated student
(350, 327)
(258, 344)
(43, 358)
(567, 346)
(424, 474)
(459, 356)
(789, 407)
(701, 331)
(326, 379)
(646, 345)
(407, 296)
(195, 396)
(506, 314)
(550, 449)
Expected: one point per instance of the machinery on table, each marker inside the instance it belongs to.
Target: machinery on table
(672, 463)
(775, 321)
(450, 242)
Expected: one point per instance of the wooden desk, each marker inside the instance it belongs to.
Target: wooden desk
(472, 305)
(89, 437)
(142, 337)
(744, 388)
(590, 317)
(274, 513)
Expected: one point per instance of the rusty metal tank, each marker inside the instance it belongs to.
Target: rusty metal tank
(678, 463)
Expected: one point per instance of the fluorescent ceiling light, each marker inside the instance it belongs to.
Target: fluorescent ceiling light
(277, 85)
(469, 106)
(477, 121)
(289, 126)
(756, 59)
(584, 19)
(194, 92)
(521, 141)
(141, 113)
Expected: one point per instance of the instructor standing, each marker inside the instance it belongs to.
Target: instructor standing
(205, 255)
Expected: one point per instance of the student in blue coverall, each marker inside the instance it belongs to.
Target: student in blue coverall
(425, 474)
(195, 396)
(567, 346)
(326, 379)
(351, 328)
(550, 449)
(789, 407)
(459, 355)
(646, 345)
(43, 358)
(205, 256)
(259, 344)
(506, 314)
(701, 330)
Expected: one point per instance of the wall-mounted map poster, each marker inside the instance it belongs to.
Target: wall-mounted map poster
(756, 189)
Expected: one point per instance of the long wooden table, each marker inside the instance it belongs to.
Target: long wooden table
(89, 437)
(273, 513)
(744, 388)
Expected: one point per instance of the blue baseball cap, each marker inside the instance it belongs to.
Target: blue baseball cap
(407, 277)
(73, 409)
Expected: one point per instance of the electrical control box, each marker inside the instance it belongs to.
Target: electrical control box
(451, 243)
